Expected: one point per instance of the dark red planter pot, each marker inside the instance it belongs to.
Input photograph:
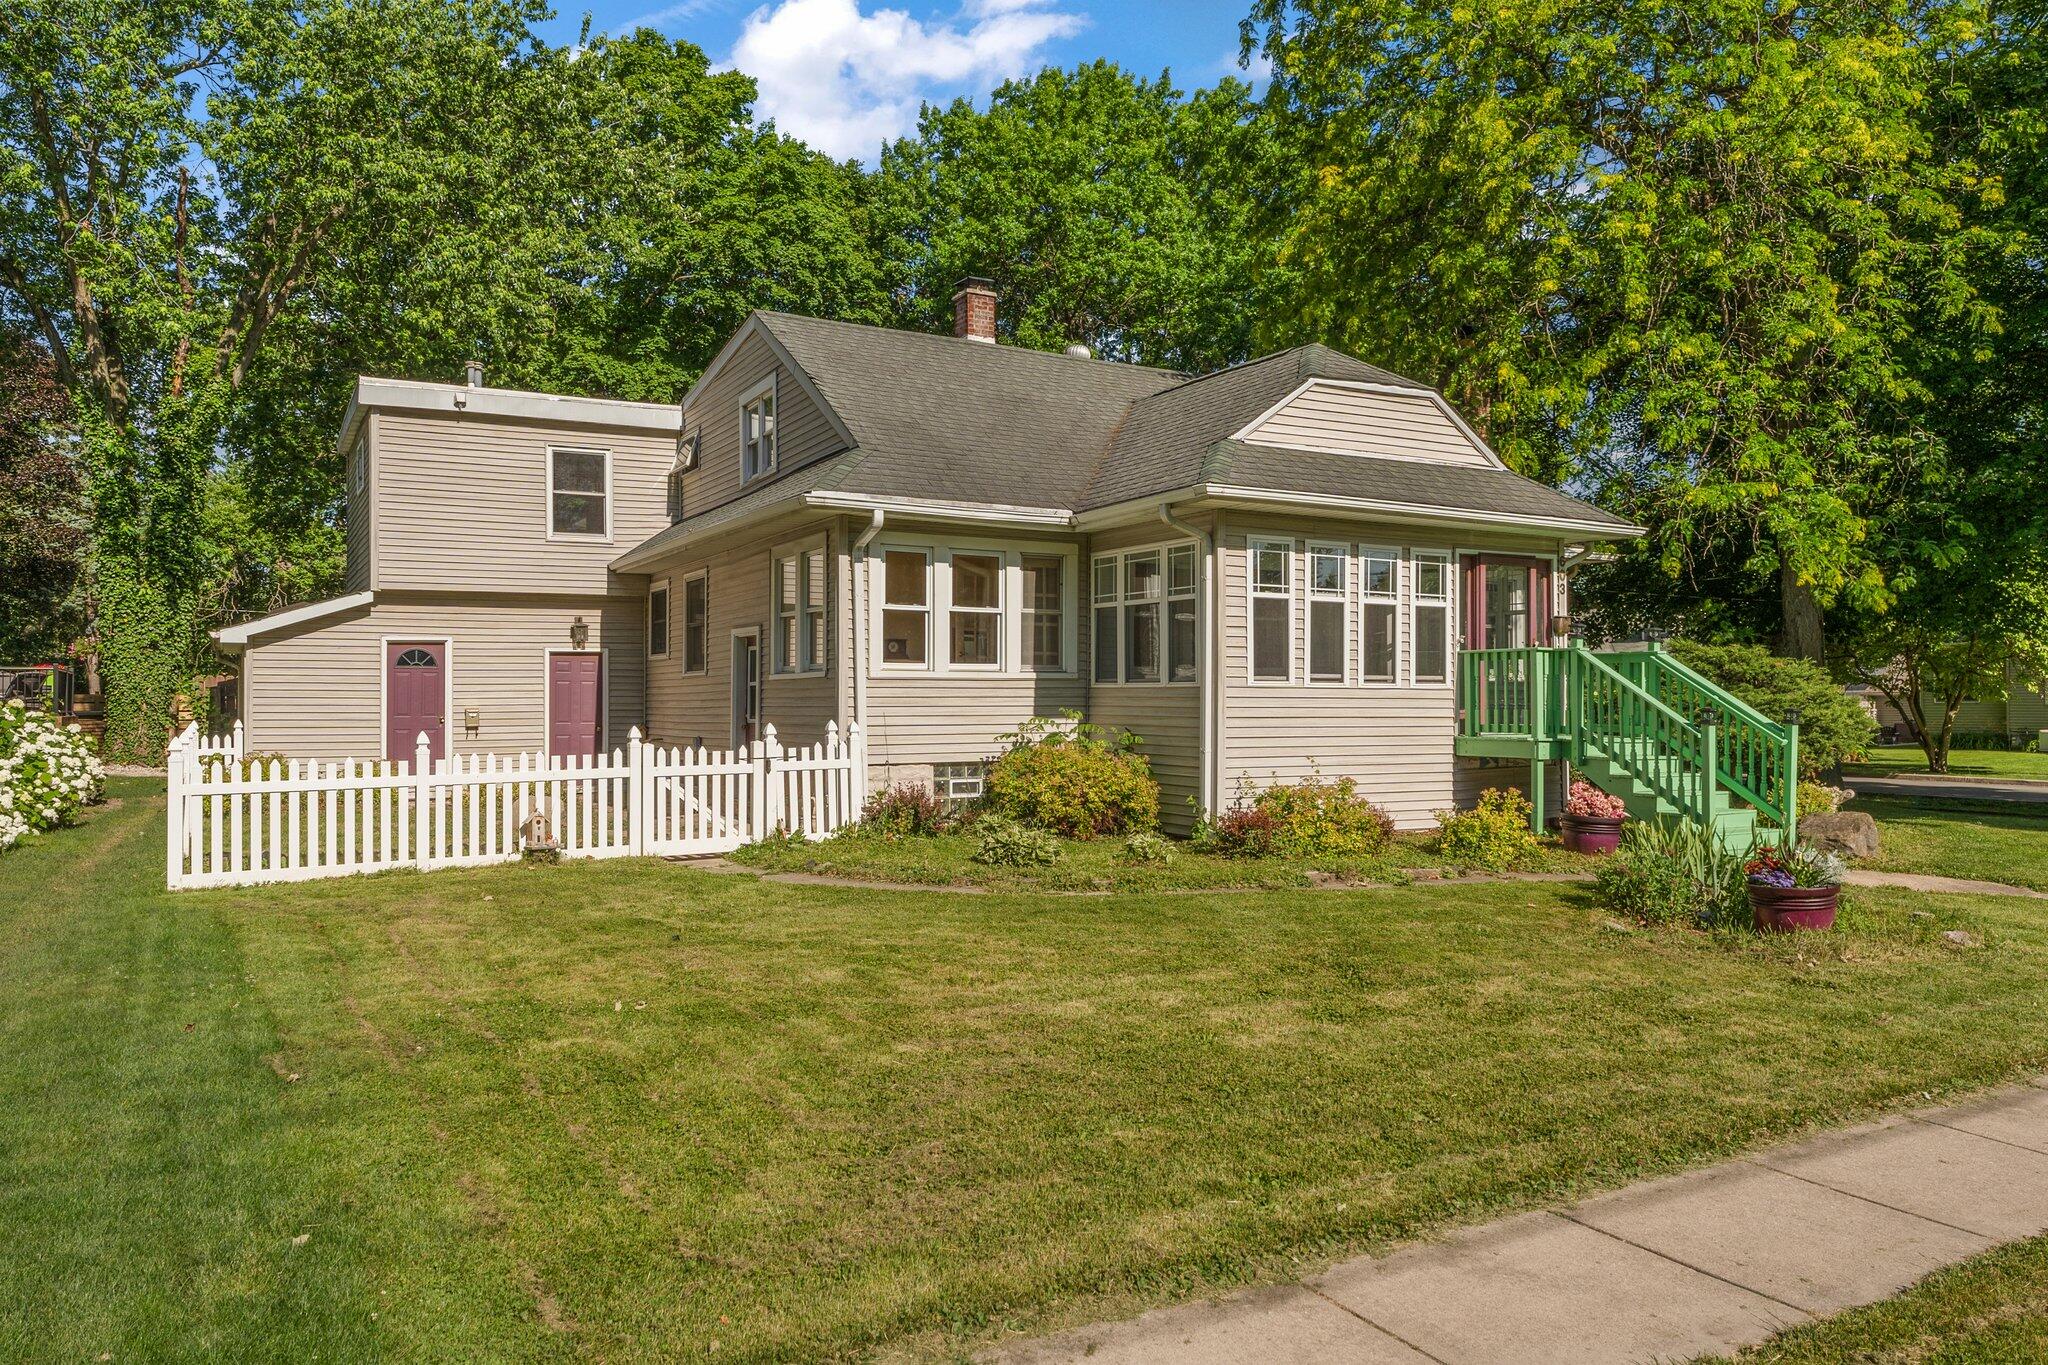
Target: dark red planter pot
(1782, 909)
(1589, 834)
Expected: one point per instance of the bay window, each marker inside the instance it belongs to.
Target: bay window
(1430, 637)
(1329, 612)
(1272, 584)
(1380, 615)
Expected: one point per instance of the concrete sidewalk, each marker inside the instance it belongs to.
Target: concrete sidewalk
(1709, 1261)
(2019, 791)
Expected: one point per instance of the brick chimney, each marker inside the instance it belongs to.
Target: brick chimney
(974, 310)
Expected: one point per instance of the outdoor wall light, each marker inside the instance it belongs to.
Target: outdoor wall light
(579, 633)
(1560, 626)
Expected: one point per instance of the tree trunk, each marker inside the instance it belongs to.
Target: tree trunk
(1804, 634)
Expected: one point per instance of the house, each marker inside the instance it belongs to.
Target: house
(1267, 572)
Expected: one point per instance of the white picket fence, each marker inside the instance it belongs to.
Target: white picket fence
(239, 822)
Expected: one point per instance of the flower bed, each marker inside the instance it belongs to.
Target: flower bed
(48, 773)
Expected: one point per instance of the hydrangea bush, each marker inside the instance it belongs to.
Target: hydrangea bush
(48, 773)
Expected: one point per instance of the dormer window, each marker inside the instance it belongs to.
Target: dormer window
(579, 492)
(757, 432)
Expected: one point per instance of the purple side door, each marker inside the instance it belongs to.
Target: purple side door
(415, 690)
(572, 703)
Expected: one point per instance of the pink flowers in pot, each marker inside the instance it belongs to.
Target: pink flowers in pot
(1588, 802)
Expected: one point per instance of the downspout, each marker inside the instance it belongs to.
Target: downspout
(1207, 663)
(859, 662)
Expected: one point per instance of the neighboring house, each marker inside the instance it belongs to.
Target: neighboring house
(1266, 572)
(2021, 715)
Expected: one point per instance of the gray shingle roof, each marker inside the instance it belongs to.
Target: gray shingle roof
(935, 417)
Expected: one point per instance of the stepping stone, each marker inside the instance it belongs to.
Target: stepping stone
(1803, 1245)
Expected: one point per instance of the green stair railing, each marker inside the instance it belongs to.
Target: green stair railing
(1757, 758)
(1613, 715)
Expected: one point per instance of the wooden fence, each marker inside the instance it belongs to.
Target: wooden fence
(238, 821)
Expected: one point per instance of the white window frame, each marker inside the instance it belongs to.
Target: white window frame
(1002, 611)
(660, 587)
(1026, 610)
(938, 553)
(1312, 595)
(1448, 602)
(588, 537)
(359, 471)
(697, 576)
(814, 632)
(881, 606)
(1253, 543)
(800, 611)
(1367, 599)
(1122, 602)
(749, 469)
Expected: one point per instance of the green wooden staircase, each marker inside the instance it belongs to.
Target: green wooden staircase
(1639, 725)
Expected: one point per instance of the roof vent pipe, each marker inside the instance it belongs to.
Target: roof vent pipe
(1080, 352)
(974, 310)
(473, 374)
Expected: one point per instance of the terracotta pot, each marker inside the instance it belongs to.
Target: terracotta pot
(1782, 909)
(1590, 833)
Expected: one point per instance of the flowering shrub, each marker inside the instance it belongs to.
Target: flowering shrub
(48, 773)
(1073, 778)
(1312, 818)
(1803, 866)
(1588, 802)
(1494, 834)
(1240, 832)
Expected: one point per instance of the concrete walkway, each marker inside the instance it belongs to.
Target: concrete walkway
(1710, 1261)
(2019, 791)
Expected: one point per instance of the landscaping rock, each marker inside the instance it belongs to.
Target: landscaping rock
(1851, 833)
(1962, 938)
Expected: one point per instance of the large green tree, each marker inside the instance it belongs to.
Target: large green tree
(1675, 246)
(1109, 210)
(43, 514)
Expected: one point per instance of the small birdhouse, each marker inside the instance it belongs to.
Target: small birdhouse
(538, 832)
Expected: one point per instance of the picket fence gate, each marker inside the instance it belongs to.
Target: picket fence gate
(237, 821)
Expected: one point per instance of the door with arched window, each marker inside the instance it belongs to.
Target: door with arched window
(415, 697)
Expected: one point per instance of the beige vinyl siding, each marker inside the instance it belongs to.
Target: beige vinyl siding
(692, 708)
(802, 431)
(1166, 716)
(361, 511)
(319, 693)
(1396, 742)
(461, 504)
(1360, 422)
(2026, 711)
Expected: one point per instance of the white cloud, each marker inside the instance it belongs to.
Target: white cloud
(845, 80)
(667, 14)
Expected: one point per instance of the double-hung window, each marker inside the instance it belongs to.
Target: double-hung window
(1329, 612)
(1380, 615)
(696, 622)
(1144, 600)
(1145, 615)
(975, 611)
(1272, 583)
(757, 432)
(657, 620)
(906, 607)
(1105, 599)
(579, 492)
(800, 615)
(1181, 617)
(1045, 613)
(1430, 636)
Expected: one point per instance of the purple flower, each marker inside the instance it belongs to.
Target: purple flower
(1775, 877)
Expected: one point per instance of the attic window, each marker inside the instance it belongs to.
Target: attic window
(757, 432)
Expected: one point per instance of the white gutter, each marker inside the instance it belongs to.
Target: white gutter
(942, 509)
(238, 635)
(858, 557)
(1119, 513)
(1208, 665)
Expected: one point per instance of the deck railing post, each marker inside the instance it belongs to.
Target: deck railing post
(1710, 726)
(1791, 778)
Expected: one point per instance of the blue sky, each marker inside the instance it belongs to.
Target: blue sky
(845, 75)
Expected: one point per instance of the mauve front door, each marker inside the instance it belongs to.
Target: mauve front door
(572, 703)
(415, 693)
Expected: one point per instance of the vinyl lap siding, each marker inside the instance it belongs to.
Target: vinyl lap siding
(461, 504)
(358, 520)
(319, 694)
(918, 721)
(1355, 422)
(802, 431)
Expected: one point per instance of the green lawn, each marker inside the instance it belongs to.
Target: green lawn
(628, 1110)
(1909, 761)
(1989, 1311)
(1095, 865)
(2003, 843)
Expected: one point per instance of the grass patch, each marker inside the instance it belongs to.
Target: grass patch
(626, 1109)
(1910, 761)
(2002, 843)
(1993, 1308)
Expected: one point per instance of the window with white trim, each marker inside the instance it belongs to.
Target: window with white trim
(579, 492)
(697, 622)
(958, 784)
(1379, 592)
(757, 433)
(906, 607)
(787, 660)
(1329, 612)
(657, 619)
(1144, 615)
(1272, 584)
(1045, 613)
(816, 639)
(800, 612)
(359, 464)
(974, 612)
(1431, 634)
